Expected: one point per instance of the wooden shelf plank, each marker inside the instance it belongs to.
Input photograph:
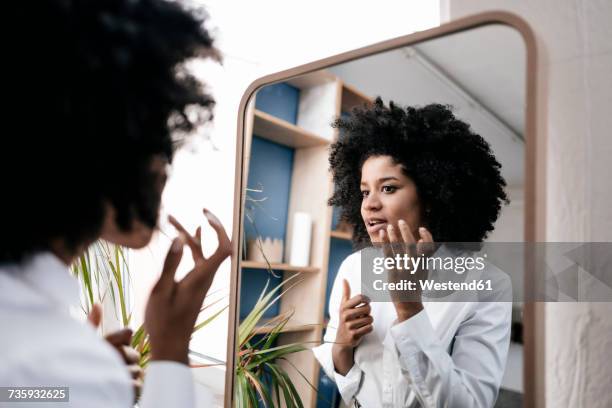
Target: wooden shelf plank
(341, 235)
(291, 327)
(312, 79)
(352, 97)
(279, 267)
(283, 132)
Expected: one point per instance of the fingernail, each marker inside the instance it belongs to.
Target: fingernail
(422, 229)
(381, 233)
(390, 227)
(401, 222)
(211, 216)
(177, 244)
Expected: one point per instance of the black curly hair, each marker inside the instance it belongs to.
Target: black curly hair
(99, 90)
(458, 179)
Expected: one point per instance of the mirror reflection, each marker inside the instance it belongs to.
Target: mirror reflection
(418, 143)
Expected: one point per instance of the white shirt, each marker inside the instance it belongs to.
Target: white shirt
(451, 354)
(43, 345)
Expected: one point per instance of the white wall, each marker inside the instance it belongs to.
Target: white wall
(576, 35)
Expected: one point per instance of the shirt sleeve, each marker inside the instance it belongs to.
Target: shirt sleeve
(468, 377)
(168, 384)
(348, 385)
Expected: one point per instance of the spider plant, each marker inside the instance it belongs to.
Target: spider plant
(259, 377)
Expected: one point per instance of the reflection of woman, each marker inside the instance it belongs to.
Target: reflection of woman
(414, 174)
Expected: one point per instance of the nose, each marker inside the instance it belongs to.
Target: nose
(372, 202)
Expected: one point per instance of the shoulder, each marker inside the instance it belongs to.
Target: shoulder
(54, 350)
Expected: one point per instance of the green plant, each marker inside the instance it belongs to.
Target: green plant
(259, 377)
(102, 271)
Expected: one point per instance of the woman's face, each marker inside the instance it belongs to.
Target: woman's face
(388, 195)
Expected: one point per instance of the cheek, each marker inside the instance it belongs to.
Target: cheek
(406, 207)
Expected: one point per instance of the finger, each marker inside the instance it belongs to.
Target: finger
(192, 242)
(384, 240)
(130, 355)
(363, 330)
(198, 236)
(358, 323)
(405, 232)
(393, 237)
(225, 246)
(120, 338)
(346, 290)
(355, 300)
(202, 275)
(396, 242)
(425, 234)
(357, 313)
(425, 245)
(173, 258)
(95, 315)
(136, 371)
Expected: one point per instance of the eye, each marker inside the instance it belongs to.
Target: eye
(364, 193)
(389, 189)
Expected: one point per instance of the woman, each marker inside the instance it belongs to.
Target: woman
(418, 176)
(100, 93)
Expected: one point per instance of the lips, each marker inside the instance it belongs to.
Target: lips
(373, 225)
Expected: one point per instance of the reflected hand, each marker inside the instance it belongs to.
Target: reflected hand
(400, 240)
(355, 321)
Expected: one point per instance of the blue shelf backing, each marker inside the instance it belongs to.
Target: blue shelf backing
(338, 251)
(252, 283)
(270, 170)
(280, 100)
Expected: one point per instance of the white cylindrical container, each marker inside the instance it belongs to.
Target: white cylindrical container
(300, 239)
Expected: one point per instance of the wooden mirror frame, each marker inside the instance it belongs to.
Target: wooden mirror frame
(535, 187)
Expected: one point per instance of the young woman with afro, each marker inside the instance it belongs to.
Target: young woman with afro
(418, 176)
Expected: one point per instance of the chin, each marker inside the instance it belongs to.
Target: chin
(135, 239)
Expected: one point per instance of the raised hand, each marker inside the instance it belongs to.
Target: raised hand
(355, 321)
(400, 240)
(173, 306)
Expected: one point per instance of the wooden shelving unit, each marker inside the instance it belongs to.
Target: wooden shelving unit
(322, 97)
(291, 327)
(283, 132)
(352, 97)
(341, 235)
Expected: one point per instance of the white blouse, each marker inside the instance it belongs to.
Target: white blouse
(43, 345)
(451, 354)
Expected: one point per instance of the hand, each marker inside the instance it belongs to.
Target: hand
(173, 307)
(121, 341)
(400, 240)
(355, 321)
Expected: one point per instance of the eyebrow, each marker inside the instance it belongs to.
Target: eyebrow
(383, 179)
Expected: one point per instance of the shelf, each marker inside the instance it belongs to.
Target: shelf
(290, 327)
(351, 97)
(341, 235)
(279, 267)
(283, 132)
(312, 79)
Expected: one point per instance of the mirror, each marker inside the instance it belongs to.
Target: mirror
(292, 243)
